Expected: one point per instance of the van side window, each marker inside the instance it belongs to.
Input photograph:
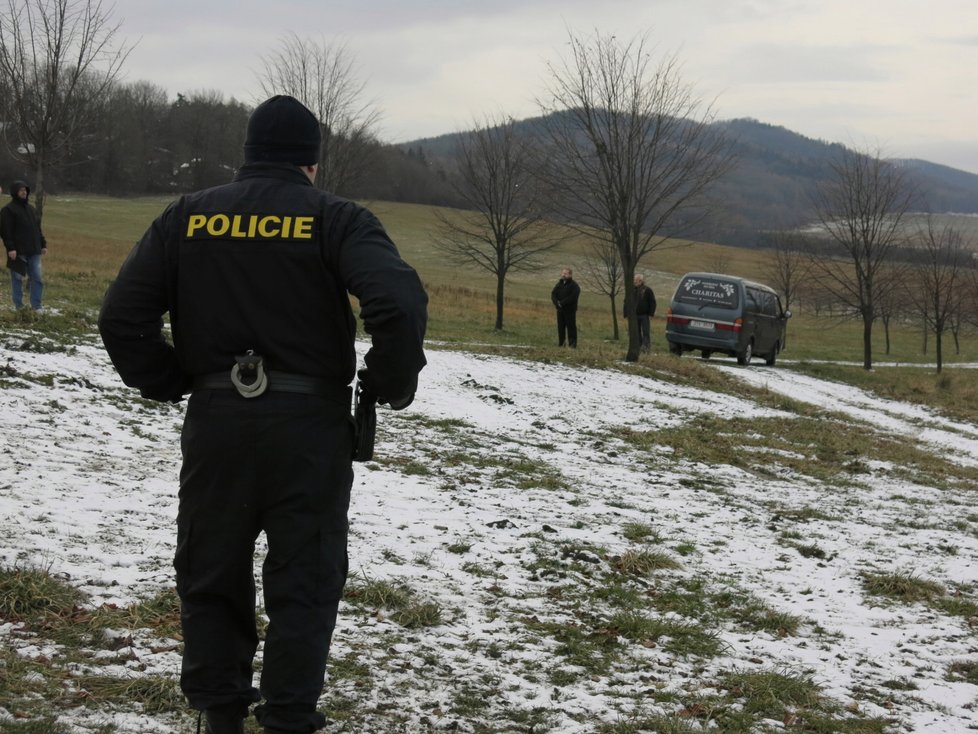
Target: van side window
(770, 304)
(753, 301)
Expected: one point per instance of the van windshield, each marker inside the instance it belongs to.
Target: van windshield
(714, 292)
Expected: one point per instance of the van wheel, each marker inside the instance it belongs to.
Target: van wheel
(707, 354)
(675, 349)
(745, 356)
(773, 356)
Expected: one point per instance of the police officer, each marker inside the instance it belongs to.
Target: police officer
(255, 277)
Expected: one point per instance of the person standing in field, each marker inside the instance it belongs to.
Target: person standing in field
(20, 229)
(565, 296)
(255, 276)
(644, 310)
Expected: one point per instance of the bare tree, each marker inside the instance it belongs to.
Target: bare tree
(938, 288)
(323, 76)
(501, 229)
(602, 274)
(630, 150)
(891, 301)
(59, 60)
(787, 269)
(861, 207)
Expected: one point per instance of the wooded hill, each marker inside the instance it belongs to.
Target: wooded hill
(770, 188)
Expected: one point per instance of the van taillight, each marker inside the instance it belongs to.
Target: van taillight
(736, 326)
(672, 319)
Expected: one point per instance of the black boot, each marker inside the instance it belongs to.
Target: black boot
(225, 720)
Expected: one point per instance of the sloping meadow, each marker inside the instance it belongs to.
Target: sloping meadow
(535, 548)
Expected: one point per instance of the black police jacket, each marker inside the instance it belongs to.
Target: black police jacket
(264, 263)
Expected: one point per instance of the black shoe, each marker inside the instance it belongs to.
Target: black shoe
(225, 720)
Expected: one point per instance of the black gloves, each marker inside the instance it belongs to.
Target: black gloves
(396, 403)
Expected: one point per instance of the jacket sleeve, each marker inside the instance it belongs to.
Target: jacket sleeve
(6, 230)
(393, 306)
(131, 321)
(652, 303)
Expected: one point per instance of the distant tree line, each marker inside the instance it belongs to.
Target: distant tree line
(140, 142)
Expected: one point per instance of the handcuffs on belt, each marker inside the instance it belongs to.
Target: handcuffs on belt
(248, 375)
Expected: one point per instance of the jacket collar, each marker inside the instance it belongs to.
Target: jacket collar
(282, 171)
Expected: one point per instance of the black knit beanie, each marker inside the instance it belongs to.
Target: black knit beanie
(282, 130)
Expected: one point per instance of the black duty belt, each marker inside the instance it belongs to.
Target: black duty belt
(279, 382)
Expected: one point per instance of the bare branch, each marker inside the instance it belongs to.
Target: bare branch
(323, 76)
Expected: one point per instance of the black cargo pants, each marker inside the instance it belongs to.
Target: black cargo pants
(566, 327)
(279, 463)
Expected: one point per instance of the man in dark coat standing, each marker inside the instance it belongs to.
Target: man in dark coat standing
(644, 309)
(565, 296)
(256, 277)
(24, 242)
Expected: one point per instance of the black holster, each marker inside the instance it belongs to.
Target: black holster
(365, 420)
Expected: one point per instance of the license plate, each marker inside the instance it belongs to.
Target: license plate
(702, 324)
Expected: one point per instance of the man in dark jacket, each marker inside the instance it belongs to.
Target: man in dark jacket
(255, 276)
(644, 310)
(565, 296)
(24, 242)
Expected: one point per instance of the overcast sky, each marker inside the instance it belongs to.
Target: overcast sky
(899, 75)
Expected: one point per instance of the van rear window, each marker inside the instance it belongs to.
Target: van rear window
(708, 292)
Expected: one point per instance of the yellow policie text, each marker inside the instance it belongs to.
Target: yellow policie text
(250, 226)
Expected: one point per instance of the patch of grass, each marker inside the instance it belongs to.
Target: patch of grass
(593, 651)
(35, 597)
(378, 594)
(822, 446)
(963, 670)
(683, 639)
(659, 723)
(643, 563)
(154, 693)
(418, 614)
(396, 598)
(756, 616)
(903, 587)
(407, 466)
(798, 514)
(771, 694)
(956, 606)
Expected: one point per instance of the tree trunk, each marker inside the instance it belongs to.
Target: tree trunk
(937, 349)
(500, 285)
(886, 333)
(614, 318)
(634, 340)
(38, 188)
(867, 341)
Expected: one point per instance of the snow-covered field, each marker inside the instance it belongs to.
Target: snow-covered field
(503, 487)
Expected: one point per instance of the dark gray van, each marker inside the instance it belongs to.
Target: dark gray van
(711, 312)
